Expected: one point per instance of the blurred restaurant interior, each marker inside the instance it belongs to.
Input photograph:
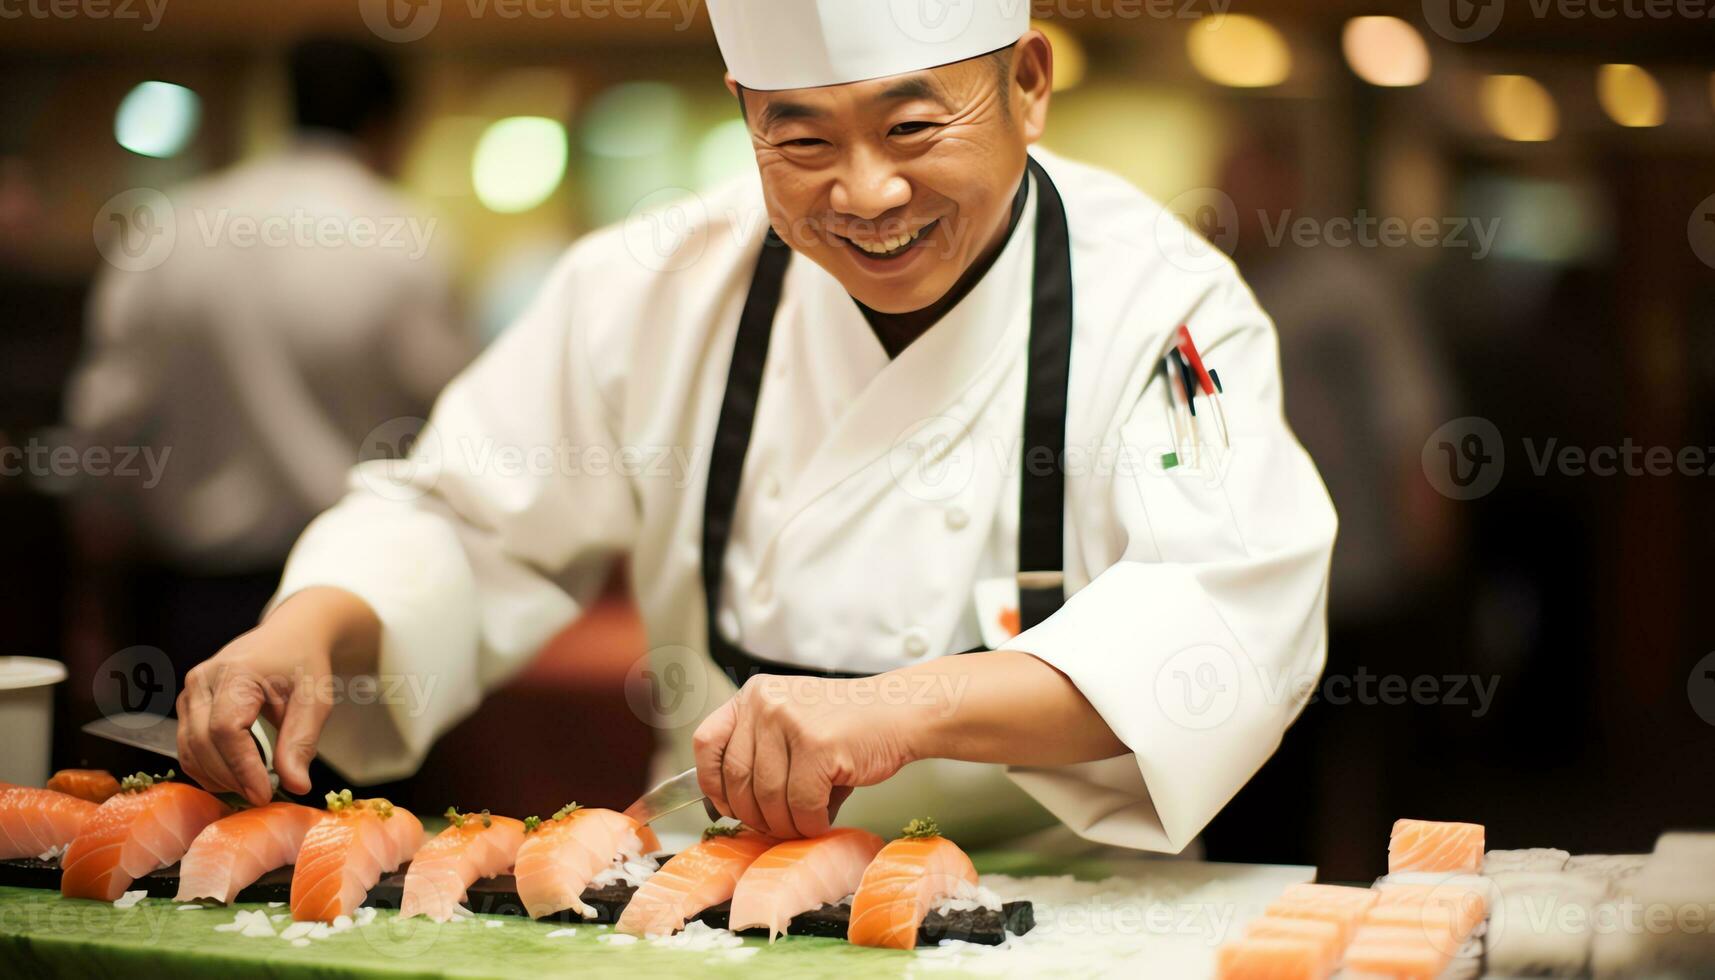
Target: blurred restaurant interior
(1565, 161)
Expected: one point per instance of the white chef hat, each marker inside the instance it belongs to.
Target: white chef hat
(779, 44)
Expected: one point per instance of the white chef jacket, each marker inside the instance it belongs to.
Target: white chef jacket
(1198, 602)
(261, 352)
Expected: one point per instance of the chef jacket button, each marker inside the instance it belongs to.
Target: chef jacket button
(728, 621)
(760, 592)
(958, 517)
(916, 642)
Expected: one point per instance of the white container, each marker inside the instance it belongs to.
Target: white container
(27, 717)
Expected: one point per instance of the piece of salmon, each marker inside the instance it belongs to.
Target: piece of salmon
(1344, 916)
(231, 853)
(704, 874)
(1428, 845)
(474, 845)
(94, 785)
(1400, 954)
(562, 854)
(1326, 935)
(1341, 895)
(1271, 958)
(35, 822)
(1455, 907)
(802, 875)
(346, 852)
(142, 829)
(903, 883)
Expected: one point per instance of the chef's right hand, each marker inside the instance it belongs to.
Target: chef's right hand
(282, 670)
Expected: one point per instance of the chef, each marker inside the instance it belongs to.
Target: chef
(919, 492)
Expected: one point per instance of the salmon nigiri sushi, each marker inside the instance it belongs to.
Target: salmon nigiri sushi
(1429, 845)
(94, 785)
(904, 883)
(231, 853)
(147, 826)
(347, 851)
(800, 876)
(704, 874)
(561, 856)
(474, 845)
(37, 823)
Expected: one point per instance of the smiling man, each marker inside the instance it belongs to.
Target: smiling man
(967, 530)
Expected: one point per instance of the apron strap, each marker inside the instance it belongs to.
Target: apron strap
(1042, 492)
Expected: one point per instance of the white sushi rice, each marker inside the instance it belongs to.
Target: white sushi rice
(616, 939)
(192, 908)
(1163, 924)
(698, 936)
(52, 854)
(258, 924)
(562, 934)
(967, 897)
(276, 905)
(494, 924)
(630, 866)
(129, 899)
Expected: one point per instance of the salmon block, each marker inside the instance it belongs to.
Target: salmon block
(348, 850)
(704, 874)
(1326, 935)
(1428, 845)
(803, 875)
(1460, 905)
(231, 853)
(1345, 917)
(903, 883)
(94, 785)
(1398, 960)
(1271, 958)
(563, 854)
(38, 822)
(149, 825)
(1343, 895)
(474, 845)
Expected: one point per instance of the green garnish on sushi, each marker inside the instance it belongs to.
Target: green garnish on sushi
(140, 781)
(920, 828)
(566, 811)
(719, 831)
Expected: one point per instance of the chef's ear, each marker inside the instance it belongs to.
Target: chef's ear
(1032, 81)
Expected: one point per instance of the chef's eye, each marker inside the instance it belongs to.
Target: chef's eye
(907, 128)
(804, 142)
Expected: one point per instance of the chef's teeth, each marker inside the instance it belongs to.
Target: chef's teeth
(885, 245)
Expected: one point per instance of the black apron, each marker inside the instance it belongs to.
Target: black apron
(1042, 489)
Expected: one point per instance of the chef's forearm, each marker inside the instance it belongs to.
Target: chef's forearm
(335, 620)
(1004, 707)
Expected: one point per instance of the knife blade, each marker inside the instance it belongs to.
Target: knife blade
(673, 794)
(160, 735)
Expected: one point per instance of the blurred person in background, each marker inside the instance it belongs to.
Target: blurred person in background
(303, 304)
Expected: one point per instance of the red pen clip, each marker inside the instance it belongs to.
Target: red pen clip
(1207, 382)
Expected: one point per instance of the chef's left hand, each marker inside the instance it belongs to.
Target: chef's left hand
(785, 752)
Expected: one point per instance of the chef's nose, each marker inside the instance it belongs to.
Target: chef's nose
(869, 185)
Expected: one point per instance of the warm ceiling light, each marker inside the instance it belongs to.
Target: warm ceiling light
(1518, 108)
(1385, 51)
(1069, 61)
(1239, 50)
(1630, 95)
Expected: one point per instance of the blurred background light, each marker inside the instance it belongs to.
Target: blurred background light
(1630, 95)
(518, 162)
(1069, 59)
(1385, 51)
(634, 119)
(724, 151)
(1239, 50)
(1518, 108)
(157, 119)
